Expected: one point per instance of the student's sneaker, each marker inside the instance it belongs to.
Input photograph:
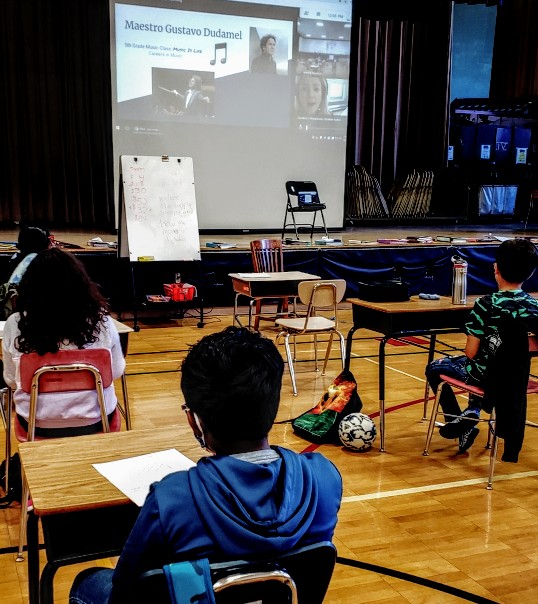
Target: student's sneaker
(467, 439)
(459, 426)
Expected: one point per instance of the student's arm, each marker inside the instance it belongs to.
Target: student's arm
(145, 549)
(116, 353)
(10, 331)
(471, 346)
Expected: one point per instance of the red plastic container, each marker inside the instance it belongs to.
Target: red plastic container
(179, 292)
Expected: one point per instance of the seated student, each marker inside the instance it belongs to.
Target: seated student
(31, 241)
(247, 498)
(516, 261)
(60, 307)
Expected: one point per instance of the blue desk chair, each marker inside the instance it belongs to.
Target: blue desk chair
(301, 576)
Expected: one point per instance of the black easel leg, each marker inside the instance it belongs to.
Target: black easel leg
(135, 310)
(201, 297)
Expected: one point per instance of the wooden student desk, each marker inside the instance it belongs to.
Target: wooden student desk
(401, 319)
(123, 331)
(282, 284)
(83, 515)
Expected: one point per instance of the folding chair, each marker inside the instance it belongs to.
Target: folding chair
(306, 194)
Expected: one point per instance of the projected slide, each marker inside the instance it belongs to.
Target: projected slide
(253, 79)
(178, 54)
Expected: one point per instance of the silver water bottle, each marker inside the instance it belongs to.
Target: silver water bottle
(459, 281)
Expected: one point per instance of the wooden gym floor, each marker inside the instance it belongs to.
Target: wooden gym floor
(411, 529)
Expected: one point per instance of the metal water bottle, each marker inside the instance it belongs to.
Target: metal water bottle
(459, 281)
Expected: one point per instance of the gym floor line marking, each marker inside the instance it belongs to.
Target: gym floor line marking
(153, 362)
(422, 380)
(397, 370)
(436, 487)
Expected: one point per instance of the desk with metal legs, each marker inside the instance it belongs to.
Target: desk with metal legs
(257, 286)
(83, 515)
(123, 332)
(403, 319)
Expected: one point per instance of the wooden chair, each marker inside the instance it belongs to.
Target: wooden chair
(66, 370)
(301, 576)
(321, 298)
(532, 388)
(307, 197)
(267, 257)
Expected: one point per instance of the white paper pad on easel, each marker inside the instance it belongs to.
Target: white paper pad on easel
(134, 475)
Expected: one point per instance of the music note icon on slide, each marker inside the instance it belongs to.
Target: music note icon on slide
(218, 47)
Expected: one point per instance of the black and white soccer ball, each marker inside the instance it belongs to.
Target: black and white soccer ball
(357, 431)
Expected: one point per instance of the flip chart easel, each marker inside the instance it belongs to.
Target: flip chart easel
(158, 219)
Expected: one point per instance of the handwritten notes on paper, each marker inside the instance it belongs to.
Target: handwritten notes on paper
(158, 215)
(134, 475)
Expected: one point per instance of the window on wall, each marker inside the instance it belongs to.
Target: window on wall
(473, 35)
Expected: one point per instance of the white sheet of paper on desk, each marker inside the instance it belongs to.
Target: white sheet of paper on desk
(255, 275)
(134, 475)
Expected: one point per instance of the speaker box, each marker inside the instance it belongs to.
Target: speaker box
(503, 145)
(522, 145)
(485, 142)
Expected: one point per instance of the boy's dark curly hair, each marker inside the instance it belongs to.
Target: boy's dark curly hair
(232, 380)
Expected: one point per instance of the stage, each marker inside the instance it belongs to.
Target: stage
(359, 257)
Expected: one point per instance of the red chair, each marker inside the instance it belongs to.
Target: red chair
(66, 370)
(532, 388)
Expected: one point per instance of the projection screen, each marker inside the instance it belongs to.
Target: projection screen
(187, 80)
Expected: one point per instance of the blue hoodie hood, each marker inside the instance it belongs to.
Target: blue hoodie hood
(255, 507)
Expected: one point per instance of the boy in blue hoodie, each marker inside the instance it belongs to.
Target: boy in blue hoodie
(248, 498)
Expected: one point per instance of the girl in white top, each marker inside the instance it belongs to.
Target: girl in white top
(60, 307)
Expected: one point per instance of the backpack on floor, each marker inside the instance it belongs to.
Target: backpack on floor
(320, 424)
(14, 491)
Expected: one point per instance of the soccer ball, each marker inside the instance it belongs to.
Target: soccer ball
(357, 431)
